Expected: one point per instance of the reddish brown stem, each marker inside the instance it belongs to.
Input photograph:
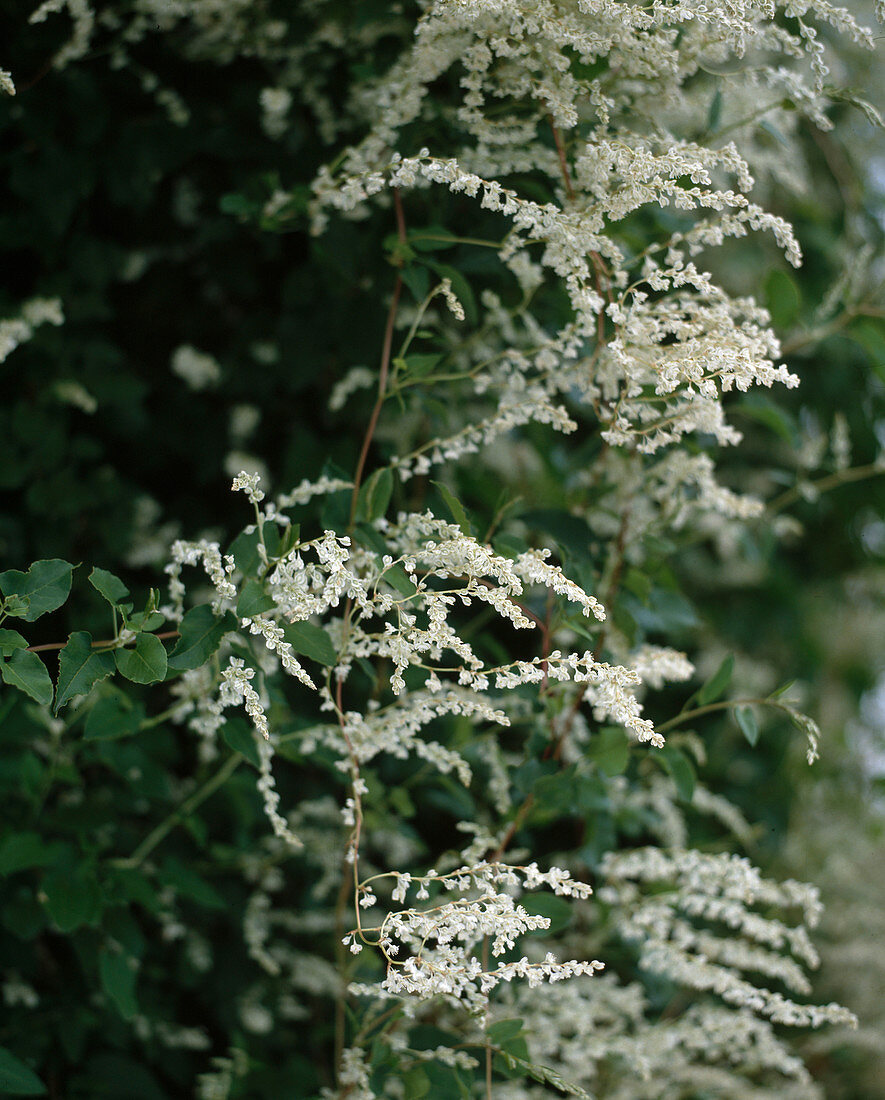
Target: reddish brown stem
(599, 268)
(555, 750)
(385, 365)
(515, 826)
(563, 163)
(95, 645)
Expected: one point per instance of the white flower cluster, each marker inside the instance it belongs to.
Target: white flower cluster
(236, 687)
(248, 483)
(441, 939)
(664, 343)
(606, 1040)
(83, 18)
(394, 729)
(657, 665)
(18, 330)
(727, 893)
(275, 105)
(591, 95)
(201, 552)
(197, 368)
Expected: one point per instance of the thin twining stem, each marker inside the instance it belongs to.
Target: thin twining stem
(824, 484)
(179, 815)
(724, 704)
(385, 365)
(108, 643)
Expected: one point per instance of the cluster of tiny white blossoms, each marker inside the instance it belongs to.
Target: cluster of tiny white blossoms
(20, 329)
(592, 96)
(653, 343)
(601, 1036)
(218, 569)
(197, 368)
(275, 105)
(441, 939)
(82, 15)
(724, 894)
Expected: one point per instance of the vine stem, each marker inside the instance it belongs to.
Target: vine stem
(724, 704)
(824, 484)
(178, 815)
(384, 372)
(554, 750)
(563, 163)
(598, 266)
(110, 643)
(488, 1058)
(353, 845)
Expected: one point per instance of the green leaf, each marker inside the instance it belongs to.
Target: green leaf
(509, 546)
(145, 620)
(543, 1074)
(503, 1030)
(571, 532)
(112, 718)
(253, 600)
(418, 366)
(459, 515)
(769, 127)
(849, 95)
(72, 899)
(200, 636)
(190, 884)
(108, 585)
(374, 496)
(20, 851)
(715, 114)
(80, 668)
(610, 750)
(746, 720)
(871, 337)
(717, 684)
(245, 553)
(289, 539)
(241, 738)
(241, 206)
(146, 663)
(118, 974)
(554, 796)
(10, 641)
(680, 770)
(667, 611)
(557, 910)
(397, 578)
(25, 671)
(763, 410)
(446, 1083)
(416, 1082)
(369, 537)
(45, 585)
(783, 298)
(16, 1079)
(417, 279)
(432, 238)
(311, 641)
(782, 690)
(16, 606)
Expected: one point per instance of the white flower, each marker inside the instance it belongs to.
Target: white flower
(197, 368)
